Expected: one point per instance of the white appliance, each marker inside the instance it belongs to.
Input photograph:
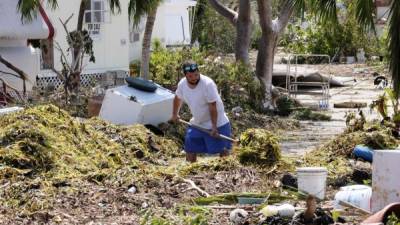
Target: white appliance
(126, 105)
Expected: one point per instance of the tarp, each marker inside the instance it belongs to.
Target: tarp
(306, 74)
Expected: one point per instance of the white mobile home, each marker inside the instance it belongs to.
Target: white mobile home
(173, 26)
(115, 42)
(14, 47)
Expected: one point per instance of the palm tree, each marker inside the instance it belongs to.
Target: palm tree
(137, 10)
(394, 45)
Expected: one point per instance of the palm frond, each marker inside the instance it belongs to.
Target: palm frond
(139, 8)
(115, 6)
(53, 4)
(299, 6)
(364, 14)
(394, 44)
(324, 10)
(29, 8)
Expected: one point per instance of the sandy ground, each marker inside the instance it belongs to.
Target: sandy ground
(313, 133)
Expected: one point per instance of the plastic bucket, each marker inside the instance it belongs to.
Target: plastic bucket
(312, 180)
(358, 195)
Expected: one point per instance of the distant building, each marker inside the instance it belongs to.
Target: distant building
(115, 41)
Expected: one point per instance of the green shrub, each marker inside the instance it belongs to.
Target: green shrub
(284, 106)
(236, 81)
(213, 31)
(165, 64)
(343, 39)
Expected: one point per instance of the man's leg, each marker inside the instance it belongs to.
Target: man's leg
(191, 157)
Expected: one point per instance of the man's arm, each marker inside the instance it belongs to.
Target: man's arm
(176, 108)
(214, 117)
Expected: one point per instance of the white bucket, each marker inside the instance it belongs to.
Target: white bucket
(312, 180)
(358, 195)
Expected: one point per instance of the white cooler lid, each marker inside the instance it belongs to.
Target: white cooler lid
(312, 169)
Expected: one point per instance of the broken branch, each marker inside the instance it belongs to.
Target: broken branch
(195, 187)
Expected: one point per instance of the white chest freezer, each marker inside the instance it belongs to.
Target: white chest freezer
(126, 105)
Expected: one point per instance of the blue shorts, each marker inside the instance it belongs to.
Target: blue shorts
(197, 141)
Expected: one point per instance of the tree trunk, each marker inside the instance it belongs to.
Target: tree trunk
(271, 30)
(242, 22)
(243, 32)
(81, 15)
(144, 65)
(264, 65)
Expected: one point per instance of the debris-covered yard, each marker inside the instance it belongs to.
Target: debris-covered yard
(56, 168)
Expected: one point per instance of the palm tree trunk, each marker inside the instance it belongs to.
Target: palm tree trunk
(394, 46)
(144, 65)
(81, 15)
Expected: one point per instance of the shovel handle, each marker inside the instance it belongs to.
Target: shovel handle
(208, 131)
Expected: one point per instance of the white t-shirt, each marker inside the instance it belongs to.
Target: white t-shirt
(198, 99)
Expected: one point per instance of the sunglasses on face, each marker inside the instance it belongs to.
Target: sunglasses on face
(190, 68)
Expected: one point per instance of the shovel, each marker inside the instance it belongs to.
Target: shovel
(208, 131)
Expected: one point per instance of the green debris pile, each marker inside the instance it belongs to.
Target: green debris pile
(344, 144)
(46, 141)
(334, 154)
(218, 164)
(258, 147)
(138, 140)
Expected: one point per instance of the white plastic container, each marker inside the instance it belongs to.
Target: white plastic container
(358, 195)
(385, 179)
(125, 105)
(9, 110)
(285, 210)
(312, 180)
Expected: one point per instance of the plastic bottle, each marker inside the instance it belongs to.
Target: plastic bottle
(269, 210)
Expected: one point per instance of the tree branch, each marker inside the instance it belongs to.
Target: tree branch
(194, 186)
(284, 15)
(21, 73)
(8, 85)
(63, 57)
(224, 11)
(12, 74)
(59, 75)
(65, 26)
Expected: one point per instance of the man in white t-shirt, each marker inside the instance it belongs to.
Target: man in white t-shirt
(200, 93)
